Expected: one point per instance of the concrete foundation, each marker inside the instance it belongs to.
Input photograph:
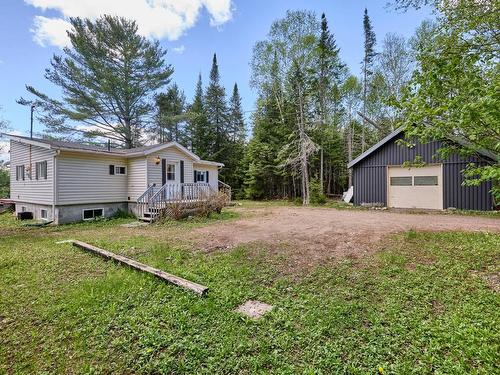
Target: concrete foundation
(36, 209)
(70, 213)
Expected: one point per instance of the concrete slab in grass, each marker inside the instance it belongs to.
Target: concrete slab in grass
(254, 309)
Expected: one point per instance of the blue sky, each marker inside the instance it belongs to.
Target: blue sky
(202, 27)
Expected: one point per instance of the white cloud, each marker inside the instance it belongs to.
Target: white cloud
(52, 30)
(155, 18)
(180, 50)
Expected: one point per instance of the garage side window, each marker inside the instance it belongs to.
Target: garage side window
(426, 180)
(401, 181)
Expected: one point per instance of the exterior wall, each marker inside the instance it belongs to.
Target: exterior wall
(137, 179)
(370, 176)
(213, 174)
(74, 213)
(172, 155)
(31, 190)
(35, 209)
(84, 178)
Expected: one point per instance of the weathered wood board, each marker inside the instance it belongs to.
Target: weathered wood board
(186, 284)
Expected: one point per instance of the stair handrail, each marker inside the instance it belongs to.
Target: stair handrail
(147, 193)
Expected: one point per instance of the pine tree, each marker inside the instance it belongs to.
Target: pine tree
(108, 79)
(171, 116)
(236, 120)
(216, 113)
(234, 170)
(198, 125)
(330, 74)
(369, 55)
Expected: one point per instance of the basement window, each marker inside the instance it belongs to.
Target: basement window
(93, 213)
(43, 214)
(401, 181)
(426, 180)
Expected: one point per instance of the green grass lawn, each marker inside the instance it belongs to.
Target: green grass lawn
(425, 304)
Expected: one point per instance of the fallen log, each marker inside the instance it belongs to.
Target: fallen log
(179, 281)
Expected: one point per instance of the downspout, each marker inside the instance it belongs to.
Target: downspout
(54, 185)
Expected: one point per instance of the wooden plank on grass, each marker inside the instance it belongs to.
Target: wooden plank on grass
(186, 284)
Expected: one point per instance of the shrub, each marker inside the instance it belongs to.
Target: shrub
(316, 196)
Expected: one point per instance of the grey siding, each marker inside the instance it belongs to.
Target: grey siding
(31, 190)
(137, 180)
(370, 176)
(84, 178)
(172, 155)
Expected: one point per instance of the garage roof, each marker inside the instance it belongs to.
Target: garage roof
(398, 131)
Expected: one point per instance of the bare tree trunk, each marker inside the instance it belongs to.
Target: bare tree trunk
(303, 153)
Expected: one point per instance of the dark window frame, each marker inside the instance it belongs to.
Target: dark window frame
(93, 211)
(393, 180)
(23, 169)
(41, 170)
(171, 173)
(421, 182)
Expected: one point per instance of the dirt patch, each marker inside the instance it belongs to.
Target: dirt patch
(308, 237)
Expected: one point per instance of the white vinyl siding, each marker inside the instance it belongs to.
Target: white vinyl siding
(173, 156)
(31, 190)
(213, 174)
(84, 178)
(136, 177)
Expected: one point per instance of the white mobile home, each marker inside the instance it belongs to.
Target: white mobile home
(66, 182)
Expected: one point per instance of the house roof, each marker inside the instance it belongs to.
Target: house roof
(127, 153)
(400, 130)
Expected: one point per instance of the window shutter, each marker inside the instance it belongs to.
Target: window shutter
(37, 169)
(182, 171)
(207, 178)
(194, 176)
(163, 171)
(111, 169)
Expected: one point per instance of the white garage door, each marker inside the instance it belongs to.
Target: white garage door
(415, 187)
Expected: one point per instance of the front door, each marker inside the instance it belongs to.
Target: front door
(171, 177)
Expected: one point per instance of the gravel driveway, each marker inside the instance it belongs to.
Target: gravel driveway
(314, 234)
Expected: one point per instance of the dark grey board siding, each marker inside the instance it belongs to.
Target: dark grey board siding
(370, 179)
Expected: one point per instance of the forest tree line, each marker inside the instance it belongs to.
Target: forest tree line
(312, 114)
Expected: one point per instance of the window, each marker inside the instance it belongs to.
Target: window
(401, 181)
(116, 169)
(41, 170)
(43, 214)
(426, 180)
(92, 213)
(200, 176)
(170, 172)
(120, 170)
(20, 172)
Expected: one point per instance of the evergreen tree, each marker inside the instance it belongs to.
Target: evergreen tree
(236, 120)
(330, 74)
(171, 116)
(108, 78)
(235, 169)
(369, 56)
(198, 124)
(217, 114)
